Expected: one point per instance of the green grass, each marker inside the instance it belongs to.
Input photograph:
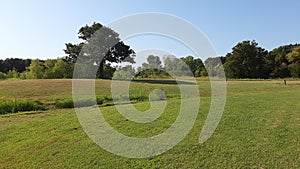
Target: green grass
(260, 128)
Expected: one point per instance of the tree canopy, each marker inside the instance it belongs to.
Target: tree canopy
(247, 60)
(101, 45)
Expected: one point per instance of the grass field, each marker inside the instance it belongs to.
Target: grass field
(260, 128)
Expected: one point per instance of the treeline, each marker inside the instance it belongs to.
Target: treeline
(35, 69)
(42, 69)
(246, 60)
(155, 68)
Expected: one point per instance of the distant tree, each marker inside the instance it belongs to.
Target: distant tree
(294, 59)
(152, 68)
(99, 41)
(63, 69)
(176, 67)
(14, 63)
(278, 62)
(214, 65)
(49, 65)
(2, 76)
(196, 65)
(200, 68)
(12, 73)
(24, 75)
(154, 62)
(247, 60)
(189, 60)
(36, 70)
(124, 73)
(108, 71)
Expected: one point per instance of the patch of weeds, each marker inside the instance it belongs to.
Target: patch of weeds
(69, 103)
(14, 106)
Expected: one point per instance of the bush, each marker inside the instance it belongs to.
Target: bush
(103, 99)
(68, 103)
(12, 73)
(2, 75)
(295, 70)
(157, 95)
(64, 104)
(14, 106)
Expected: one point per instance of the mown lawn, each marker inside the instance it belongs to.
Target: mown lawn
(260, 128)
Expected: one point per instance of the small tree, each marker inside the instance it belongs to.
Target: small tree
(12, 73)
(195, 65)
(176, 67)
(152, 67)
(2, 75)
(36, 70)
(62, 69)
(125, 73)
(49, 64)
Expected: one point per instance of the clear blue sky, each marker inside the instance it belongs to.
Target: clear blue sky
(39, 29)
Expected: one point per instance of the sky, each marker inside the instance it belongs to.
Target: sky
(40, 29)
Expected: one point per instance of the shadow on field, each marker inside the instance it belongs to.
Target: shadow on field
(171, 82)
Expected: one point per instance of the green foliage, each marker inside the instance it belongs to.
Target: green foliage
(278, 61)
(63, 69)
(176, 67)
(36, 70)
(196, 65)
(157, 95)
(12, 73)
(49, 65)
(14, 63)
(124, 73)
(295, 70)
(247, 60)
(294, 58)
(68, 103)
(14, 106)
(2, 76)
(153, 63)
(213, 66)
(294, 55)
(108, 71)
(106, 41)
(24, 75)
(103, 99)
(152, 68)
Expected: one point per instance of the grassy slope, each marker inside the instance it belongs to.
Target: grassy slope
(259, 129)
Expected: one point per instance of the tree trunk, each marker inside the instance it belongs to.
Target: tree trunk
(101, 73)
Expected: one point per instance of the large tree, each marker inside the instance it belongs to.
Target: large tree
(247, 60)
(102, 46)
(294, 59)
(278, 61)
